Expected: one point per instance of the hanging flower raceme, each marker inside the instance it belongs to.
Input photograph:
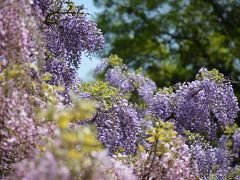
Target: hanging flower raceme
(118, 128)
(210, 161)
(19, 35)
(68, 32)
(205, 105)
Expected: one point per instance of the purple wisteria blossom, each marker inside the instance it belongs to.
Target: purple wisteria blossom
(236, 143)
(162, 106)
(172, 164)
(18, 130)
(62, 73)
(19, 34)
(120, 77)
(19, 41)
(145, 87)
(68, 31)
(46, 167)
(117, 77)
(205, 106)
(73, 36)
(118, 128)
(210, 160)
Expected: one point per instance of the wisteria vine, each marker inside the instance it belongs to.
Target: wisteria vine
(121, 126)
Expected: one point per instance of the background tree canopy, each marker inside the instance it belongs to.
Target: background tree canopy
(172, 39)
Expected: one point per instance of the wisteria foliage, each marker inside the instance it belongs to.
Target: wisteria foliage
(52, 126)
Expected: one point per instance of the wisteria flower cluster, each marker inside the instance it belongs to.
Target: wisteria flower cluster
(205, 105)
(20, 38)
(168, 157)
(118, 128)
(119, 76)
(68, 33)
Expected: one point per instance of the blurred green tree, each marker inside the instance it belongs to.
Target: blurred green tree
(172, 39)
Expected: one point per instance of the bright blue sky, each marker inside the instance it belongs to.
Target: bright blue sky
(87, 65)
